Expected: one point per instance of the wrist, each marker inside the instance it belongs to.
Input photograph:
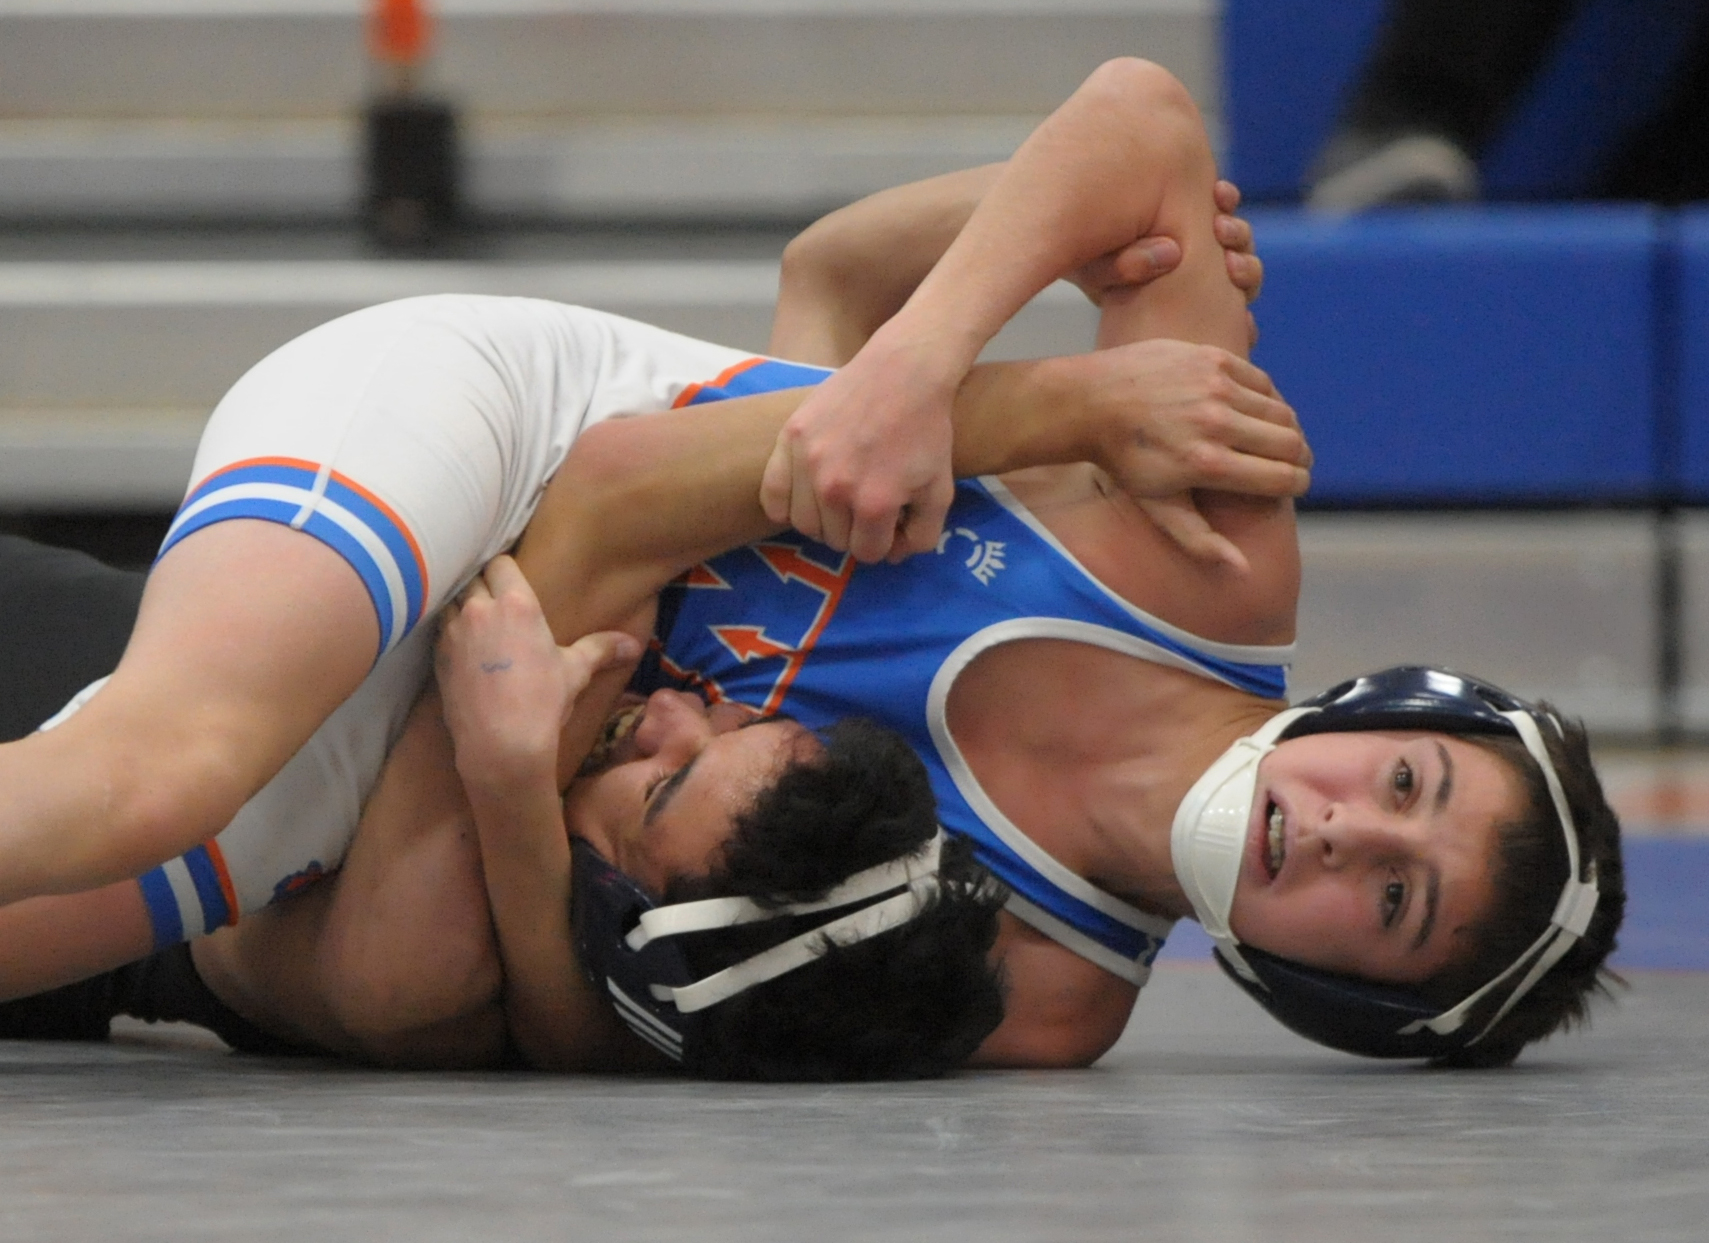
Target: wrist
(1010, 416)
(508, 780)
(1053, 417)
(522, 841)
(928, 352)
(1079, 432)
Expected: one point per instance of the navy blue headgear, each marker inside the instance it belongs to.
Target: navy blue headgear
(628, 947)
(1378, 1020)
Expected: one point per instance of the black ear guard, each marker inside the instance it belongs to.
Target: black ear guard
(628, 947)
(1376, 1020)
(605, 906)
(1352, 1015)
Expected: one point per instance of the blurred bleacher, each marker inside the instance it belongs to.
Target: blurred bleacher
(1511, 429)
(179, 178)
(649, 108)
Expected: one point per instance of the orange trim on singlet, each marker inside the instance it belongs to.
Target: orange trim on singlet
(217, 858)
(399, 523)
(718, 381)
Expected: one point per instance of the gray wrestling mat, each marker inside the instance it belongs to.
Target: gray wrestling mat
(1207, 1122)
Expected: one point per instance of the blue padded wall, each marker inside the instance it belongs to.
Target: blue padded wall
(1287, 65)
(1689, 351)
(1498, 356)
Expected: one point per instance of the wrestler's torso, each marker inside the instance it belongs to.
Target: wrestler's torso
(394, 959)
(1047, 724)
(1067, 739)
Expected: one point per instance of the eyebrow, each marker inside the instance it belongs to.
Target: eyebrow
(1447, 786)
(1433, 881)
(666, 792)
(1432, 896)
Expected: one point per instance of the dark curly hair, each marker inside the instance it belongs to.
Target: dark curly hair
(1530, 871)
(909, 1003)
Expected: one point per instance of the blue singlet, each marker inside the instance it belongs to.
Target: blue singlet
(790, 625)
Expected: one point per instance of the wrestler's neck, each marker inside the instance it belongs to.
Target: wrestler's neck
(1131, 804)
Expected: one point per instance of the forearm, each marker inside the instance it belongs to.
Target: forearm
(850, 271)
(556, 1019)
(507, 691)
(1089, 180)
(526, 860)
(62, 938)
(638, 501)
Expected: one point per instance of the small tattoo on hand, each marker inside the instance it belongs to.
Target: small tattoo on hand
(495, 666)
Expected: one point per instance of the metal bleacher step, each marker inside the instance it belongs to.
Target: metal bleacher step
(1555, 605)
(109, 368)
(571, 107)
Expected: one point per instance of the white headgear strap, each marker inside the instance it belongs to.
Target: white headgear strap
(914, 874)
(1572, 912)
(1208, 837)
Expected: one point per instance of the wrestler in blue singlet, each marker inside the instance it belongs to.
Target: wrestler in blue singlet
(788, 625)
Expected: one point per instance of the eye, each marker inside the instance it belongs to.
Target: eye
(1394, 897)
(1404, 780)
(652, 787)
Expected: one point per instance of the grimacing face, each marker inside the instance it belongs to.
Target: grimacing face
(668, 794)
(1370, 853)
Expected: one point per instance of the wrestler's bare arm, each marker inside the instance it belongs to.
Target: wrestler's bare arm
(667, 491)
(392, 959)
(849, 272)
(1088, 181)
(508, 690)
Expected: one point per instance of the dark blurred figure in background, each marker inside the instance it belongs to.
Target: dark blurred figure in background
(1445, 75)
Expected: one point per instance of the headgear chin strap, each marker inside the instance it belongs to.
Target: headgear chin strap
(1209, 836)
(626, 940)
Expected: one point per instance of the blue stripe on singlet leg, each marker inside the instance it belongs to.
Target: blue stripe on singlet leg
(162, 906)
(397, 544)
(287, 490)
(216, 912)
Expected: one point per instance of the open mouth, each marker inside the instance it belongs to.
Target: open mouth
(618, 730)
(1275, 838)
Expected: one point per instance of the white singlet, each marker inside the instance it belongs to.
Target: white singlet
(414, 438)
